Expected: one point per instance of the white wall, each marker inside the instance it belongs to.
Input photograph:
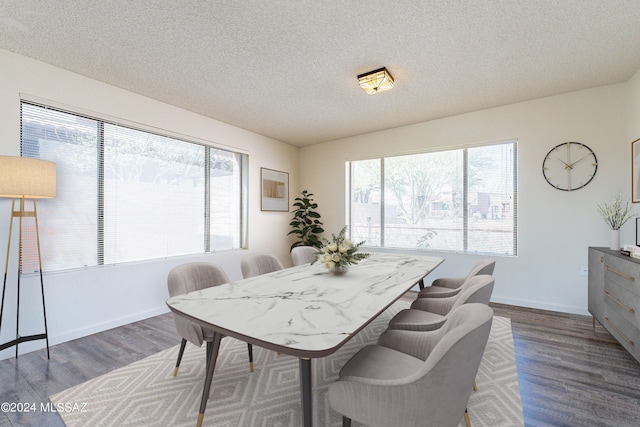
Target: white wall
(83, 302)
(554, 227)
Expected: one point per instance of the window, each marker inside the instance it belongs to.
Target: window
(126, 194)
(461, 200)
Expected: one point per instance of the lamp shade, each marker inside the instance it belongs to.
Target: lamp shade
(28, 178)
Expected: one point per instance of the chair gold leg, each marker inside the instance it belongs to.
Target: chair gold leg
(475, 386)
(183, 344)
(200, 419)
(467, 422)
(250, 366)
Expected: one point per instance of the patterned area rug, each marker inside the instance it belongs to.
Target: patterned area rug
(145, 393)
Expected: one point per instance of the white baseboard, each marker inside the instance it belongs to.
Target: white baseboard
(30, 346)
(99, 327)
(541, 305)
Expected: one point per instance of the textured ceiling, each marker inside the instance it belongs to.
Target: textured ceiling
(287, 68)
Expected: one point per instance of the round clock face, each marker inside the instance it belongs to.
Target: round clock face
(569, 166)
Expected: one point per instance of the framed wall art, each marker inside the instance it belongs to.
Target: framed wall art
(635, 171)
(274, 190)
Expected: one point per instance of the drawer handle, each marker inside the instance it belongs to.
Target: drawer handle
(617, 301)
(618, 273)
(630, 342)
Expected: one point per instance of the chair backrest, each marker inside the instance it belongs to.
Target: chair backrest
(257, 264)
(436, 392)
(194, 276)
(484, 266)
(191, 277)
(421, 344)
(476, 289)
(450, 369)
(303, 254)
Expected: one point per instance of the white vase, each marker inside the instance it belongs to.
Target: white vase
(615, 240)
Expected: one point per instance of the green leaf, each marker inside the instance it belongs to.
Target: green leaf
(305, 221)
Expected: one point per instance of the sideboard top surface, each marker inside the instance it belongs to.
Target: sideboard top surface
(616, 254)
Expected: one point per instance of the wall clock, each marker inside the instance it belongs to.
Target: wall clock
(569, 166)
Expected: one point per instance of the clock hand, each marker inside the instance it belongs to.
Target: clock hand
(584, 157)
(567, 166)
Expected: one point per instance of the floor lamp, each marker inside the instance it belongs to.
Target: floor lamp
(24, 178)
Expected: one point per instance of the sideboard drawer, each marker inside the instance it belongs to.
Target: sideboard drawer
(626, 333)
(614, 296)
(622, 273)
(626, 304)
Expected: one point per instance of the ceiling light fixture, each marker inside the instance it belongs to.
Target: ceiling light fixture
(375, 81)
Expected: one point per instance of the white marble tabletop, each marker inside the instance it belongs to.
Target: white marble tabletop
(305, 311)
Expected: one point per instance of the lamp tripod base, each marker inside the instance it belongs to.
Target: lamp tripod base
(20, 339)
(22, 213)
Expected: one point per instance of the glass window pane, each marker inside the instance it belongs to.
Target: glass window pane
(153, 196)
(423, 201)
(365, 202)
(225, 199)
(491, 199)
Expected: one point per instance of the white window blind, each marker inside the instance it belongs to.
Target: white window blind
(126, 194)
(68, 224)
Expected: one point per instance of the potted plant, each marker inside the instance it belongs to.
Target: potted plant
(615, 215)
(306, 224)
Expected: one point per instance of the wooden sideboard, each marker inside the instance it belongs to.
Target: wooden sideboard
(614, 295)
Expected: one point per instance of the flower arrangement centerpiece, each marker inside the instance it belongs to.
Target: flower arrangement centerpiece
(340, 252)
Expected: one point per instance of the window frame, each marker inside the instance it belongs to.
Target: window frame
(465, 198)
(208, 148)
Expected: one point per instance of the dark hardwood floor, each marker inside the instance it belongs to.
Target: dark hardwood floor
(31, 378)
(570, 374)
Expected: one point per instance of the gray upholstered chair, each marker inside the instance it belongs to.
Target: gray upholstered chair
(426, 314)
(257, 264)
(192, 277)
(449, 286)
(415, 378)
(303, 254)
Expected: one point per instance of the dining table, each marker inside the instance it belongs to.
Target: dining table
(304, 311)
